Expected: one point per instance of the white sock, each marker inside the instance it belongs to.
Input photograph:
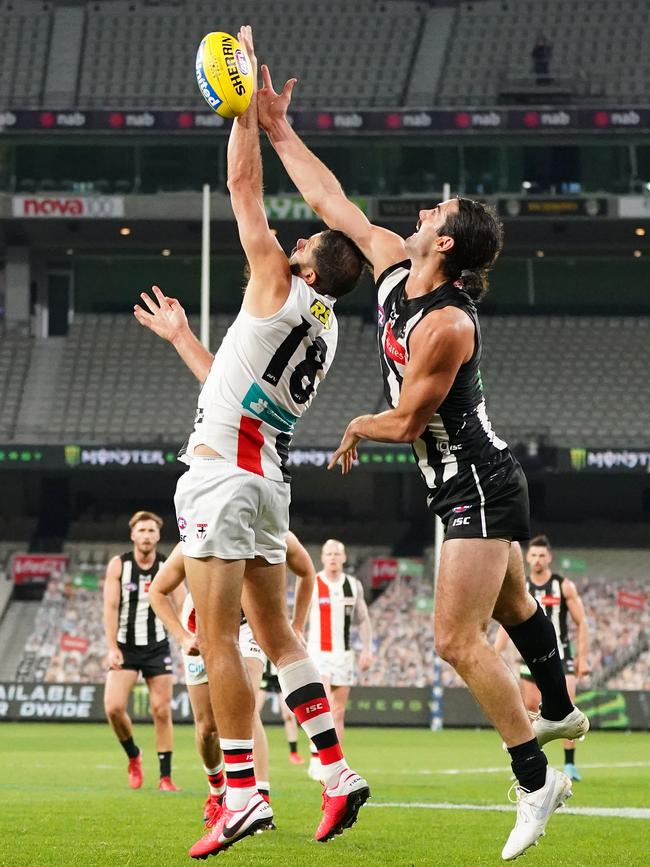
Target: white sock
(240, 773)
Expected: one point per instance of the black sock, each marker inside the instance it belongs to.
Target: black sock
(130, 748)
(536, 641)
(293, 746)
(165, 760)
(529, 765)
(570, 756)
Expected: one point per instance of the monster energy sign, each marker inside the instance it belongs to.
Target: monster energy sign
(607, 460)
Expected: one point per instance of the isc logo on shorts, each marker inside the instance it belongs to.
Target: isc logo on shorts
(461, 522)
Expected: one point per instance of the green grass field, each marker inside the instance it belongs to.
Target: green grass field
(64, 801)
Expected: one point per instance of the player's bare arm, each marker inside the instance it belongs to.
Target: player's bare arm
(166, 317)
(112, 593)
(300, 563)
(318, 185)
(577, 612)
(165, 587)
(439, 345)
(270, 280)
(365, 629)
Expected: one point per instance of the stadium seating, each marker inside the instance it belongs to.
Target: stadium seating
(591, 40)
(544, 375)
(15, 352)
(23, 23)
(337, 52)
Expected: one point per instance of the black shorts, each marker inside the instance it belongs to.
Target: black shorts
(151, 659)
(568, 666)
(270, 682)
(485, 501)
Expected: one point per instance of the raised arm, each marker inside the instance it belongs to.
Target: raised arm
(164, 587)
(270, 280)
(166, 318)
(365, 629)
(112, 593)
(439, 345)
(317, 184)
(577, 612)
(300, 563)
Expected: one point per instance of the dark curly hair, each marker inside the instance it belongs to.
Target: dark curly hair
(478, 238)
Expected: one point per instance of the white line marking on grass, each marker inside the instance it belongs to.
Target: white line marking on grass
(503, 769)
(609, 812)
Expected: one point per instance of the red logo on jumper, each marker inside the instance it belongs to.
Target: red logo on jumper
(147, 585)
(393, 348)
(201, 531)
(550, 600)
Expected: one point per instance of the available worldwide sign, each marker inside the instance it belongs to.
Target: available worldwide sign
(54, 207)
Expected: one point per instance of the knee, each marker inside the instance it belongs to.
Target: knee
(453, 647)
(206, 730)
(114, 710)
(161, 710)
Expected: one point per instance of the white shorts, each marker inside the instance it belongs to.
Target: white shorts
(224, 511)
(338, 667)
(195, 673)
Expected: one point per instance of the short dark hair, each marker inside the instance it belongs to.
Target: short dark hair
(540, 542)
(338, 263)
(478, 238)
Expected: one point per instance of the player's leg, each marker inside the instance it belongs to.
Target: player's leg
(255, 668)
(160, 702)
(116, 695)
(291, 733)
(206, 737)
(339, 702)
(315, 769)
(266, 609)
(535, 638)
(569, 745)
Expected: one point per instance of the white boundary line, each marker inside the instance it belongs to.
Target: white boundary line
(608, 812)
(504, 769)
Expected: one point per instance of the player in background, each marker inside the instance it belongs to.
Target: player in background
(337, 600)
(137, 642)
(233, 503)
(166, 592)
(558, 598)
(430, 350)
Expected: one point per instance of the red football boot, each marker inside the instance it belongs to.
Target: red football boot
(135, 771)
(212, 810)
(232, 826)
(341, 804)
(166, 785)
(296, 759)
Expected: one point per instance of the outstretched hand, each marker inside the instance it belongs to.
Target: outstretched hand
(167, 318)
(347, 450)
(272, 106)
(245, 38)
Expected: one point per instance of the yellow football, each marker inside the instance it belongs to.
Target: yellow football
(224, 75)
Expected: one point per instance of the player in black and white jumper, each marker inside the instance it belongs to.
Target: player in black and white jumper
(137, 642)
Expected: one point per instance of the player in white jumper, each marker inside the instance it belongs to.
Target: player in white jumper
(233, 503)
(337, 600)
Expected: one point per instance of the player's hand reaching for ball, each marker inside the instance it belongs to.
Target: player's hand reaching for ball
(272, 106)
(115, 659)
(167, 318)
(245, 38)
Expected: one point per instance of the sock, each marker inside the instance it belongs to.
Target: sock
(240, 774)
(216, 779)
(293, 746)
(536, 641)
(570, 756)
(165, 760)
(313, 752)
(304, 694)
(529, 765)
(264, 788)
(130, 748)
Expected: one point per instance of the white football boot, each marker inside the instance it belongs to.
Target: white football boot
(574, 726)
(315, 769)
(534, 809)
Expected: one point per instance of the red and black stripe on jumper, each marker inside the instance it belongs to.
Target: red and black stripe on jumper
(311, 707)
(250, 442)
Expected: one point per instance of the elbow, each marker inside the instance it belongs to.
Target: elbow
(410, 429)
